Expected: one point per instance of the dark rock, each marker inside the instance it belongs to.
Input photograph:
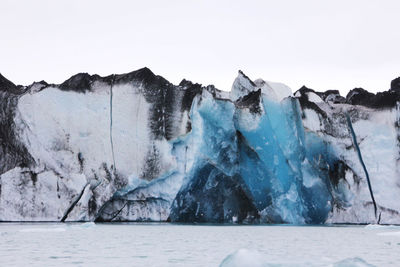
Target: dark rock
(250, 101)
(305, 103)
(12, 152)
(7, 86)
(190, 91)
(144, 75)
(395, 84)
(332, 96)
(329, 95)
(245, 76)
(359, 96)
(80, 82)
(37, 86)
(338, 171)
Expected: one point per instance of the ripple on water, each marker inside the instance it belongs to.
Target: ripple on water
(60, 257)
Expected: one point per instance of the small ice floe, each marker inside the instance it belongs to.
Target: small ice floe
(88, 225)
(373, 226)
(234, 219)
(352, 262)
(246, 257)
(243, 258)
(252, 258)
(85, 225)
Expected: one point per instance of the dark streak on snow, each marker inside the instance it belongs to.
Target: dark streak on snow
(111, 121)
(361, 161)
(72, 206)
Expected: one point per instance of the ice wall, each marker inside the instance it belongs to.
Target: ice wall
(134, 147)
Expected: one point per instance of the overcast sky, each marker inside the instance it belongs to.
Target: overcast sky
(322, 44)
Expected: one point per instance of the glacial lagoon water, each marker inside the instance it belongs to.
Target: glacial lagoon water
(149, 244)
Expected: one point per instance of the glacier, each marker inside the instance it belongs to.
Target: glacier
(135, 147)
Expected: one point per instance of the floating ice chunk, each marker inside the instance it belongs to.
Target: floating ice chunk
(83, 226)
(352, 262)
(243, 258)
(373, 226)
(88, 225)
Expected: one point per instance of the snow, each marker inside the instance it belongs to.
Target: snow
(313, 97)
(378, 135)
(57, 125)
(274, 91)
(311, 120)
(375, 133)
(44, 198)
(131, 136)
(69, 135)
(241, 87)
(247, 120)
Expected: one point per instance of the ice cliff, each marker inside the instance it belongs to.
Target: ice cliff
(134, 147)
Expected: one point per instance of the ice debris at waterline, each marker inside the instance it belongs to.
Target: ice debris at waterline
(251, 258)
(134, 147)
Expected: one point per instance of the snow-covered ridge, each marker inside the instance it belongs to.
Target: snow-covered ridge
(134, 147)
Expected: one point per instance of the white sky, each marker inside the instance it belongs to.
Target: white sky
(322, 44)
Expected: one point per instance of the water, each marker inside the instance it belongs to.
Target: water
(89, 244)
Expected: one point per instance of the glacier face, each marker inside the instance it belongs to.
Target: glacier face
(134, 147)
